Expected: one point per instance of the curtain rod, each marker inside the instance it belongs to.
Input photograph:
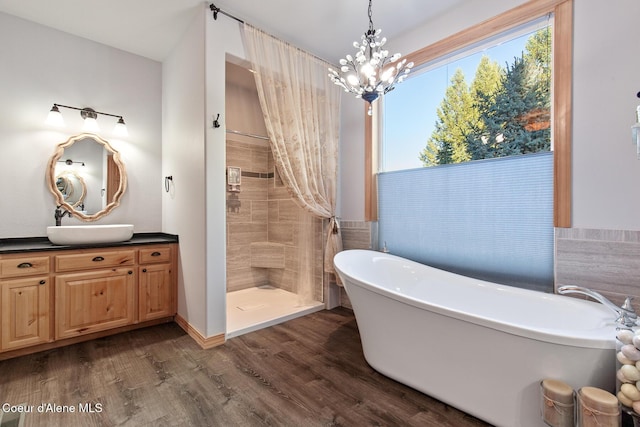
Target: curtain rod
(217, 10)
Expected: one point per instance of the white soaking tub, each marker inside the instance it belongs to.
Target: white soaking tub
(478, 346)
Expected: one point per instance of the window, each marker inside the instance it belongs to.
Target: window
(493, 100)
(491, 219)
(562, 11)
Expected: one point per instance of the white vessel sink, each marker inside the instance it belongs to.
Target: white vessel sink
(89, 234)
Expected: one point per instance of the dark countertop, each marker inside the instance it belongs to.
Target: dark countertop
(38, 244)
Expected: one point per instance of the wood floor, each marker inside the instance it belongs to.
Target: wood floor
(306, 372)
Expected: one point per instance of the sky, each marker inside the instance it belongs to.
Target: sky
(410, 108)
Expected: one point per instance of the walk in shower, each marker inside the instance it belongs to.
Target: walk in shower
(274, 248)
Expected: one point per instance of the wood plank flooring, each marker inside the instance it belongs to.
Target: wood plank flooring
(306, 372)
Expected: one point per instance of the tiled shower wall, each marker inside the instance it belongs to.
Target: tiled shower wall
(247, 214)
(606, 261)
(263, 223)
(283, 229)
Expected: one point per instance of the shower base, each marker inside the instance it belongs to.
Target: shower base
(256, 308)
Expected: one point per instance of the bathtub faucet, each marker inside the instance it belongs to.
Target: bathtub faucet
(626, 314)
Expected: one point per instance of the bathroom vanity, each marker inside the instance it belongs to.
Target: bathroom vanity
(53, 295)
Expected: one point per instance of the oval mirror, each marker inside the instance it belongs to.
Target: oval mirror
(72, 187)
(86, 176)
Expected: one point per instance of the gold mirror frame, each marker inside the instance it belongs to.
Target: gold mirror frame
(120, 170)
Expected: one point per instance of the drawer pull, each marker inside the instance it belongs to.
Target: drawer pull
(25, 265)
(98, 259)
(42, 282)
(156, 254)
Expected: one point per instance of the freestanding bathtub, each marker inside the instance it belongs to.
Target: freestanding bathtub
(478, 346)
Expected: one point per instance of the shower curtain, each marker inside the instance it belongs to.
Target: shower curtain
(301, 109)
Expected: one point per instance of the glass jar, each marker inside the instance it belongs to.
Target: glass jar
(628, 371)
(557, 403)
(597, 408)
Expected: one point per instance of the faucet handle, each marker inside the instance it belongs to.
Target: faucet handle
(628, 315)
(627, 304)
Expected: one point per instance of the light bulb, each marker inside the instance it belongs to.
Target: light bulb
(55, 117)
(91, 125)
(121, 128)
(353, 80)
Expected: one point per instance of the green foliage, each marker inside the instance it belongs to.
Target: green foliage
(503, 112)
(455, 115)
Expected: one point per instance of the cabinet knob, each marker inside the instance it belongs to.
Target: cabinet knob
(130, 272)
(144, 270)
(42, 282)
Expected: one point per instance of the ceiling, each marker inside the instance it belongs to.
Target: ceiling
(151, 28)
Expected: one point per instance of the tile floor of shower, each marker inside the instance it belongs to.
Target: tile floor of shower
(255, 308)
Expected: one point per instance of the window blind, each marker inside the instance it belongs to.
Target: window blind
(488, 219)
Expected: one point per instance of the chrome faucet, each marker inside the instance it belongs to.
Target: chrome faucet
(626, 314)
(59, 214)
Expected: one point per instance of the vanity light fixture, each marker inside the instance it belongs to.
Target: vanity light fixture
(90, 117)
(69, 162)
(90, 123)
(372, 72)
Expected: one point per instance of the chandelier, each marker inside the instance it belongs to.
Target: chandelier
(372, 71)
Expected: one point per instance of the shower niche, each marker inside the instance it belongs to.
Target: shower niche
(267, 232)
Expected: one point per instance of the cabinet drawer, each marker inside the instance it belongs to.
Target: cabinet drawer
(97, 259)
(155, 254)
(24, 266)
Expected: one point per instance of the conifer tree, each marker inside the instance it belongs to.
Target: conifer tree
(486, 83)
(502, 113)
(447, 143)
(506, 121)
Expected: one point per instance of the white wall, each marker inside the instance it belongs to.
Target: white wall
(222, 38)
(41, 66)
(183, 148)
(194, 154)
(606, 79)
(350, 200)
(605, 82)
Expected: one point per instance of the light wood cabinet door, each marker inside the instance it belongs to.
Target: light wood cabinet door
(25, 312)
(155, 298)
(94, 301)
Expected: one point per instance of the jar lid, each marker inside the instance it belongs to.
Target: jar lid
(598, 399)
(558, 390)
